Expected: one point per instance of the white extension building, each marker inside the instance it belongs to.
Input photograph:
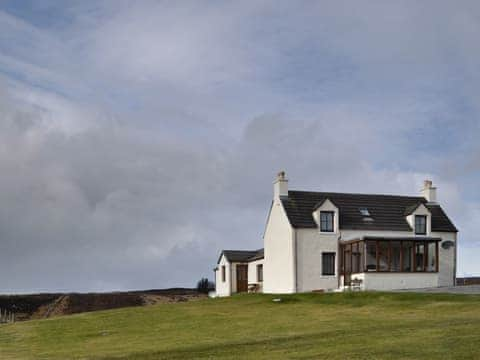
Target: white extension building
(319, 241)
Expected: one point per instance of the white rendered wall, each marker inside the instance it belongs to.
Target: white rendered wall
(223, 288)
(310, 245)
(278, 270)
(446, 265)
(252, 272)
(396, 281)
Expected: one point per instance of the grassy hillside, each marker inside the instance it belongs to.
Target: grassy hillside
(330, 326)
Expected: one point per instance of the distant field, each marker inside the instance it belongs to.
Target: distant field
(305, 326)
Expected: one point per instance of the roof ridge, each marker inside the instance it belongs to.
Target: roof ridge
(364, 194)
(241, 250)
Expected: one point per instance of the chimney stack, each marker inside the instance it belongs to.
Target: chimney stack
(280, 186)
(429, 192)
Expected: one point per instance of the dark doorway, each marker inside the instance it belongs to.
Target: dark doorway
(242, 278)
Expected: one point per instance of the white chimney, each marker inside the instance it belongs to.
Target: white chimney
(280, 186)
(429, 192)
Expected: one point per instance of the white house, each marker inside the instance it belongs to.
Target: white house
(321, 241)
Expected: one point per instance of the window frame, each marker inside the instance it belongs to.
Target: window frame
(331, 263)
(411, 259)
(370, 245)
(332, 214)
(417, 232)
(224, 275)
(259, 272)
(364, 212)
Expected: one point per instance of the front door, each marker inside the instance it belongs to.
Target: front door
(242, 278)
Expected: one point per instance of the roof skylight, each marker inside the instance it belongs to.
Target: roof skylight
(364, 212)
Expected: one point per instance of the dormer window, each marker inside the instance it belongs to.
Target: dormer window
(326, 221)
(420, 225)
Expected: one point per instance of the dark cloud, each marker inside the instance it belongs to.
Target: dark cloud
(138, 139)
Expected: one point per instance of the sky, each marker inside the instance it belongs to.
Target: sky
(139, 138)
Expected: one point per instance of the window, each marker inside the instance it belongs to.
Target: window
(383, 256)
(420, 257)
(361, 252)
(223, 273)
(328, 263)
(347, 257)
(396, 255)
(357, 257)
(326, 221)
(259, 272)
(371, 256)
(420, 224)
(364, 212)
(432, 257)
(407, 256)
(341, 260)
(352, 259)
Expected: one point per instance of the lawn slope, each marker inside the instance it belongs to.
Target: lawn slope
(304, 326)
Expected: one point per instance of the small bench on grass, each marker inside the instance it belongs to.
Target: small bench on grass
(253, 288)
(356, 284)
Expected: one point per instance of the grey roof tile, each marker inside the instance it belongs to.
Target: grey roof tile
(387, 211)
(241, 255)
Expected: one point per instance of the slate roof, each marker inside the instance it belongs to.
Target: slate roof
(410, 209)
(259, 255)
(241, 255)
(387, 211)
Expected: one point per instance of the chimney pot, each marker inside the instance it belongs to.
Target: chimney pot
(280, 186)
(429, 192)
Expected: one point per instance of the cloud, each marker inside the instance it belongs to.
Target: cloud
(109, 194)
(139, 139)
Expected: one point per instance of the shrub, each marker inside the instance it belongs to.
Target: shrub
(204, 286)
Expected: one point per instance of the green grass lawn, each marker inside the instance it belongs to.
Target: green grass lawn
(304, 326)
